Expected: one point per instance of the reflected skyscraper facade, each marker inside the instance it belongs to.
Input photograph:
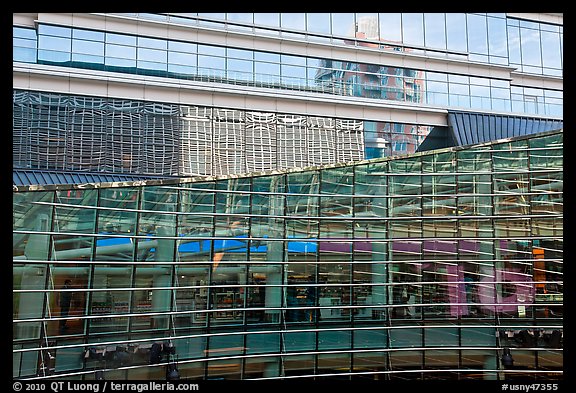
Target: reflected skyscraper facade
(422, 266)
(288, 195)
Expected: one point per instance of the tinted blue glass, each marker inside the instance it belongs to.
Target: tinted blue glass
(368, 25)
(295, 21)
(87, 58)
(207, 63)
(318, 23)
(343, 24)
(530, 46)
(497, 37)
(391, 27)
(514, 45)
(296, 60)
(240, 65)
(189, 59)
(264, 56)
(24, 33)
(529, 24)
(459, 94)
(267, 19)
(244, 17)
(182, 69)
(119, 62)
(88, 47)
(121, 51)
(293, 71)
(54, 43)
(480, 96)
(211, 50)
(144, 42)
(413, 29)
(182, 47)
(456, 36)
(239, 54)
(436, 76)
(477, 34)
(213, 15)
(22, 43)
(50, 55)
(27, 55)
(88, 35)
(435, 30)
(55, 31)
(551, 53)
(112, 38)
(270, 69)
(440, 87)
(154, 55)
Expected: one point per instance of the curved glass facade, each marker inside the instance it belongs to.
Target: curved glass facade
(91, 49)
(430, 264)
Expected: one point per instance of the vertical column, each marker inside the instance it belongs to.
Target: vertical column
(274, 253)
(161, 297)
(379, 277)
(33, 277)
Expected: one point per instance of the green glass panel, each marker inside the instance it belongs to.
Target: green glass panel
(72, 212)
(474, 160)
(439, 162)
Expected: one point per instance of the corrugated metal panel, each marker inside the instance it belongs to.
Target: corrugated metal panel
(470, 128)
(27, 177)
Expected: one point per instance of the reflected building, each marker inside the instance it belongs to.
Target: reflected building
(423, 266)
(287, 195)
(378, 82)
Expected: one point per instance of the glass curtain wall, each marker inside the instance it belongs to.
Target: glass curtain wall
(430, 264)
(530, 47)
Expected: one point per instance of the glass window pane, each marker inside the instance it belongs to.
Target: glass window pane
(185, 47)
(188, 59)
(88, 47)
(551, 52)
(435, 30)
(88, 35)
(530, 44)
(23, 43)
(55, 31)
(154, 55)
(243, 17)
(343, 24)
(368, 25)
(477, 34)
(120, 51)
(209, 64)
(267, 19)
(293, 21)
(318, 23)
(514, 45)
(120, 39)
(211, 50)
(391, 27)
(24, 33)
(54, 43)
(155, 43)
(239, 54)
(413, 28)
(497, 37)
